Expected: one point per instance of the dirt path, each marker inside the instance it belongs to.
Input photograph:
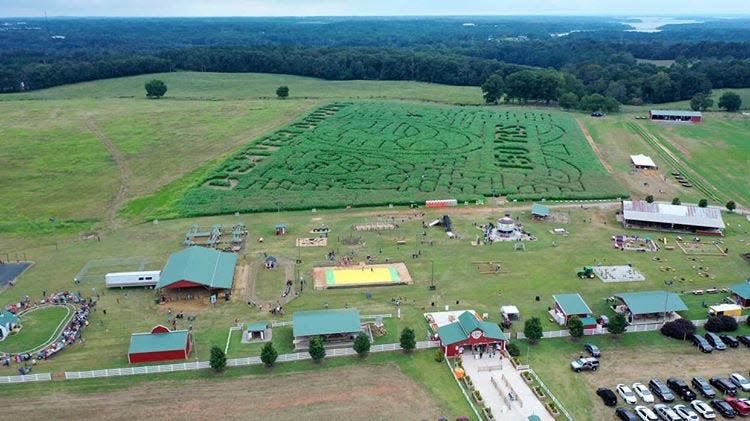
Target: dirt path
(594, 147)
(122, 168)
(359, 392)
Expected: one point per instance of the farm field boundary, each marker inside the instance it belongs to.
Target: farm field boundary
(374, 153)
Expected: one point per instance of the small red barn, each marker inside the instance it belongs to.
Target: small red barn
(470, 331)
(160, 344)
(675, 116)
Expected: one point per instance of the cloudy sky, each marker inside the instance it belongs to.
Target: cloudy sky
(32, 8)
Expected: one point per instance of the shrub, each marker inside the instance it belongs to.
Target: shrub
(218, 360)
(515, 352)
(650, 198)
(268, 354)
(731, 206)
(317, 350)
(575, 327)
(617, 324)
(721, 324)
(676, 201)
(362, 344)
(681, 329)
(439, 357)
(408, 340)
(703, 203)
(532, 329)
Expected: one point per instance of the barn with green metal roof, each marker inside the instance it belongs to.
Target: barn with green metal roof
(470, 331)
(569, 305)
(649, 304)
(337, 327)
(741, 293)
(198, 267)
(161, 344)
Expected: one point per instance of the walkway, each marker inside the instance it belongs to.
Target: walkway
(494, 379)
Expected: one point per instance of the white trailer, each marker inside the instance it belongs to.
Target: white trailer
(148, 278)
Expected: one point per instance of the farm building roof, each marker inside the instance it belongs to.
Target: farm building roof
(642, 161)
(256, 327)
(648, 302)
(539, 210)
(676, 113)
(157, 342)
(663, 213)
(572, 303)
(467, 322)
(325, 322)
(742, 290)
(7, 318)
(200, 265)
(588, 321)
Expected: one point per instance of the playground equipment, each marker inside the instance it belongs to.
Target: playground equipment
(587, 272)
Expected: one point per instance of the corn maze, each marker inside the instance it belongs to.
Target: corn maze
(364, 154)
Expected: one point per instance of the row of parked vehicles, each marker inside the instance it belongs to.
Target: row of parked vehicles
(710, 341)
(730, 407)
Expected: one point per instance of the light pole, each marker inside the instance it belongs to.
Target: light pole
(667, 283)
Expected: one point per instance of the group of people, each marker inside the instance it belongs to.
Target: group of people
(74, 329)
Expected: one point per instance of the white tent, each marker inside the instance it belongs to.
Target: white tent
(511, 312)
(642, 161)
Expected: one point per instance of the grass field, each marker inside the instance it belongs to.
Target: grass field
(379, 153)
(38, 329)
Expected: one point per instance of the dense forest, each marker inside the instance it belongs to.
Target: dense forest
(583, 56)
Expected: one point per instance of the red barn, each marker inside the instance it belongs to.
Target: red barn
(160, 344)
(675, 116)
(470, 331)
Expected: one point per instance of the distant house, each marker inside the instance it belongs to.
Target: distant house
(469, 331)
(569, 305)
(160, 344)
(675, 116)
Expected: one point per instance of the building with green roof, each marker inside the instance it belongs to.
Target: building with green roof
(649, 304)
(160, 344)
(569, 305)
(741, 293)
(539, 211)
(337, 327)
(196, 266)
(8, 321)
(470, 331)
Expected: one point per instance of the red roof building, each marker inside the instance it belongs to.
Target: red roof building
(160, 344)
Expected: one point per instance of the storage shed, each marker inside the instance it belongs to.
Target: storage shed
(8, 321)
(160, 344)
(569, 305)
(539, 211)
(732, 310)
(649, 304)
(337, 327)
(741, 293)
(642, 162)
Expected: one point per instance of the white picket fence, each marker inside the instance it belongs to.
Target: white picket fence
(551, 395)
(235, 362)
(42, 377)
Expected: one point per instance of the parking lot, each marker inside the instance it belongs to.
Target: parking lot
(623, 366)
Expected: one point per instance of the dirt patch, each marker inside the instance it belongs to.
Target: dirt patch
(681, 360)
(598, 153)
(358, 393)
(122, 167)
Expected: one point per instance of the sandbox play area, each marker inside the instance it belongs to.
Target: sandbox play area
(624, 273)
(361, 276)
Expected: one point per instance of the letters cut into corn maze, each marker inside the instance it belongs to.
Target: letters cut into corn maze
(363, 154)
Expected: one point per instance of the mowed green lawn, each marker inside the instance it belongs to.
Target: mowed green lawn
(38, 328)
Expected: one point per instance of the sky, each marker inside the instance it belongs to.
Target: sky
(37, 8)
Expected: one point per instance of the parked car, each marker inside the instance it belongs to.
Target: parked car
(642, 391)
(685, 412)
(730, 340)
(724, 386)
(625, 414)
(714, 340)
(739, 406)
(626, 394)
(597, 114)
(660, 390)
(745, 339)
(740, 381)
(703, 409)
(703, 387)
(593, 350)
(723, 408)
(608, 396)
(589, 363)
(645, 413)
(702, 344)
(681, 389)
(666, 413)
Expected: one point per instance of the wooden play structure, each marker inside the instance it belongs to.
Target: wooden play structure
(699, 248)
(490, 268)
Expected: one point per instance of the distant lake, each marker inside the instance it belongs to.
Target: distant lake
(652, 24)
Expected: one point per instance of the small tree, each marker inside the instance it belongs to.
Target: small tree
(408, 340)
(568, 101)
(575, 327)
(439, 357)
(532, 329)
(731, 206)
(317, 350)
(650, 198)
(492, 89)
(513, 349)
(362, 344)
(617, 324)
(681, 329)
(703, 203)
(676, 201)
(730, 101)
(218, 360)
(701, 102)
(155, 88)
(268, 354)
(282, 92)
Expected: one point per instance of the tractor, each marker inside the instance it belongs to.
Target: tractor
(587, 272)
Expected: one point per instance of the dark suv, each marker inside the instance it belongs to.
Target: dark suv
(715, 341)
(701, 385)
(723, 385)
(702, 344)
(661, 390)
(681, 389)
(745, 339)
(730, 340)
(593, 350)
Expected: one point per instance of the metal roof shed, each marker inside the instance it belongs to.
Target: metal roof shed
(325, 322)
(540, 211)
(652, 302)
(198, 266)
(572, 304)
